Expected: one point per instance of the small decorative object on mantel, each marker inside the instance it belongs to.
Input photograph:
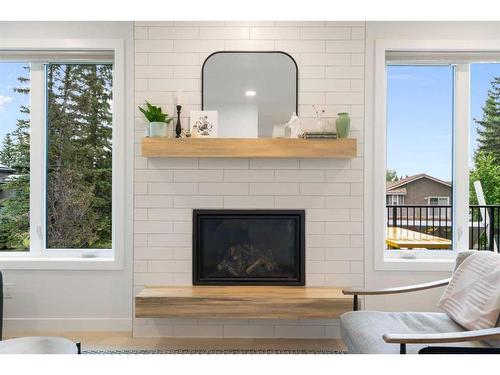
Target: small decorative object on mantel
(278, 131)
(292, 127)
(343, 124)
(320, 122)
(203, 124)
(318, 135)
(178, 106)
(330, 126)
(158, 121)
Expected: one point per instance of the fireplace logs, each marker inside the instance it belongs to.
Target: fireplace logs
(242, 260)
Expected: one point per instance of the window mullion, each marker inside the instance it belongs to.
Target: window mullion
(461, 157)
(37, 157)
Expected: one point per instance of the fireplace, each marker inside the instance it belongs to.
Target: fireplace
(248, 247)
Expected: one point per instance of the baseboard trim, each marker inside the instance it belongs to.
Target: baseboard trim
(12, 325)
(240, 331)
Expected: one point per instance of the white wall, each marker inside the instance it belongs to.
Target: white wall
(74, 300)
(421, 301)
(330, 57)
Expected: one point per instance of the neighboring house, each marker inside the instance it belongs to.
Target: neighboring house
(5, 172)
(419, 190)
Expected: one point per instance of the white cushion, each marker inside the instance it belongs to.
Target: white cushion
(472, 298)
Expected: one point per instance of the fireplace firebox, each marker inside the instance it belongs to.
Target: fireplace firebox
(248, 247)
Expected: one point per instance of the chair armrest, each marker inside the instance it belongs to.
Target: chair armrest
(402, 289)
(436, 338)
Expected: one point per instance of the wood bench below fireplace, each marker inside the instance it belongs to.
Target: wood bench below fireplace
(242, 302)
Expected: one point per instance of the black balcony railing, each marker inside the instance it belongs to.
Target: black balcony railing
(484, 222)
(484, 227)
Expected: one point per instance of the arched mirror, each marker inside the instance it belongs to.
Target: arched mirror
(252, 91)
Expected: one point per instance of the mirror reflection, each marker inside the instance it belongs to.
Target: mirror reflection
(252, 91)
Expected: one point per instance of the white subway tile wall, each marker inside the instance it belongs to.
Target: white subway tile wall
(169, 57)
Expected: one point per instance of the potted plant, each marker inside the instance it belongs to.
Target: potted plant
(158, 121)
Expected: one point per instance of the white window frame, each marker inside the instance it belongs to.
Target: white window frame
(39, 257)
(422, 260)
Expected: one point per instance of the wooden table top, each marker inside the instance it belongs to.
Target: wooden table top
(405, 238)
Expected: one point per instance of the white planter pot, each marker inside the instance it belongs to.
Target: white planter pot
(158, 129)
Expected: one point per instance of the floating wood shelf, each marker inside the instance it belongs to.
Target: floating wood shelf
(248, 148)
(242, 302)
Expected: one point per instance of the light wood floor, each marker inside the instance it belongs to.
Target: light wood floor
(124, 340)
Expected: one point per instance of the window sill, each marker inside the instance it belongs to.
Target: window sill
(67, 264)
(424, 260)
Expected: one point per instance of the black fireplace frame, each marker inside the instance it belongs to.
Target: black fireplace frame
(198, 214)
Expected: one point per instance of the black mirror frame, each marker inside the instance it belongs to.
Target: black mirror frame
(280, 52)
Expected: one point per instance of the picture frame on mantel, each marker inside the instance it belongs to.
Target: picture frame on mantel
(203, 124)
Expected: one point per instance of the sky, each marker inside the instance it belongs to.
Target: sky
(9, 100)
(420, 116)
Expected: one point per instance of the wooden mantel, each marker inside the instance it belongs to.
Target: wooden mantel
(247, 148)
(242, 302)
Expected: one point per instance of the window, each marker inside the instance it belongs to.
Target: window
(79, 155)
(435, 111)
(438, 201)
(484, 156)
(57, 167)
(14, 156)
(419, 151)
(395, 200)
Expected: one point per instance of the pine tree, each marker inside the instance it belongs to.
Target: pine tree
(79, 155)
(487, 156)
(96, 122)
(489, 126)
(8, 151)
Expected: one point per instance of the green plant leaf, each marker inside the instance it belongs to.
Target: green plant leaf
(144, 112)
(154, 113)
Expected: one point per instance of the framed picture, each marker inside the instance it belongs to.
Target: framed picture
(203, 124)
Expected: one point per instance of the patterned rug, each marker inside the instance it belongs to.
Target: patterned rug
(209, 351)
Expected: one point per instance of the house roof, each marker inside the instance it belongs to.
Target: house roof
(401, 191)
(391, 186)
